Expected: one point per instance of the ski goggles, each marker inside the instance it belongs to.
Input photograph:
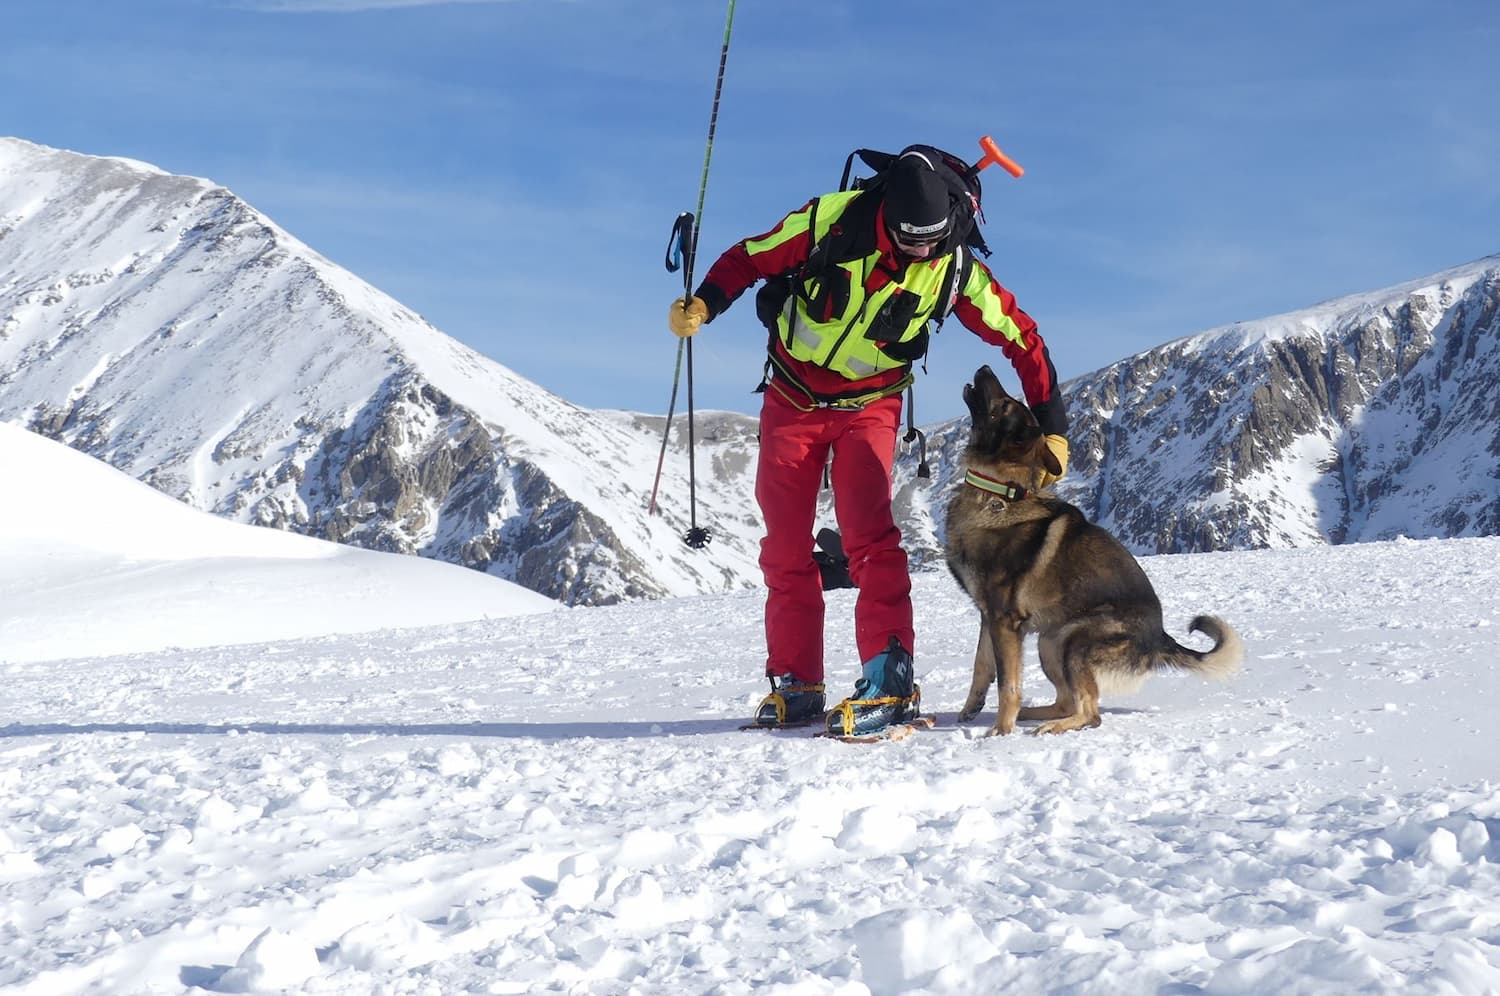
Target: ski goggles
(915, 244)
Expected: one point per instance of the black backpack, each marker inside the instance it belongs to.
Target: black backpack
(965, 193)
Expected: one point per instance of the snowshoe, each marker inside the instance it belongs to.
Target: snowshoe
(791, 703)
(886, 694)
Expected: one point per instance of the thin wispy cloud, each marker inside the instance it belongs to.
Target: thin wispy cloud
(348, 6)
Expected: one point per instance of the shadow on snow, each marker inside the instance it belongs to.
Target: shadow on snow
(533, 731)
(501, 731)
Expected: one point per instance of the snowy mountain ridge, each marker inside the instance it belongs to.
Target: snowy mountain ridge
(1367, 417)
(159, 323)
(1364, 418)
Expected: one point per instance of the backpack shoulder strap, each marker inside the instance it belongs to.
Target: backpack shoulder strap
(848, 237)
(878, 161)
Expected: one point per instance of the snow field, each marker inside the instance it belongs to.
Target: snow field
(561, 803)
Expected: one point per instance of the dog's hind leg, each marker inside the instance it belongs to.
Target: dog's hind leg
(1007, 649)
(1051, 653)
(984, 672)
(1078, 675)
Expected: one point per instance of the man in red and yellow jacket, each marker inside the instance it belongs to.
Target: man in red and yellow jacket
(853, 279)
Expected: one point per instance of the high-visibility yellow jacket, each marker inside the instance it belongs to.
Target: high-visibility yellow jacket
(854, 323)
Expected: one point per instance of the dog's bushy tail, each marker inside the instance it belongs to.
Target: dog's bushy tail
(1220, 662)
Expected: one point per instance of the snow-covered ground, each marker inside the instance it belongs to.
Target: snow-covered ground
(92, 562)
(560, 801)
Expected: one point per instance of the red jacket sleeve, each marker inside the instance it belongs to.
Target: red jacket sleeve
(781, 250)
(990, 312)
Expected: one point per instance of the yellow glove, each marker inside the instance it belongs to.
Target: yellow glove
(686, 321)
(1057, 446)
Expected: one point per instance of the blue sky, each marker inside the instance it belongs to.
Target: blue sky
(511, 169)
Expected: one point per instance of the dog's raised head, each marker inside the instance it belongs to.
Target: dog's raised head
(1004, 436)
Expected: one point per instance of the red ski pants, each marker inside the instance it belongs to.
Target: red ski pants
(794, 448)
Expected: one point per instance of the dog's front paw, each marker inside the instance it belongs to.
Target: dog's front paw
(1001, 728)
(969, 712)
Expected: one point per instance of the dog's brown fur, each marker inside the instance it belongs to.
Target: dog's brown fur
(1036, 565)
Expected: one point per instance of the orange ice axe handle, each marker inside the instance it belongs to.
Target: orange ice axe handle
(992, 154)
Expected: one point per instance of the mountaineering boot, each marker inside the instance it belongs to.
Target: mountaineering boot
(790, 703)
(886, 694)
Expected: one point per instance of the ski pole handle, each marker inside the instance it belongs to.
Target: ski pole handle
(674, 245)
(680, 246)
(680, 242)
(992, 154)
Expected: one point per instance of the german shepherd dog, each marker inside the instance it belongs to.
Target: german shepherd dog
(1033, 564)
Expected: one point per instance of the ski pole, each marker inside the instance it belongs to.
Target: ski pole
(686, 234)
(679, 244)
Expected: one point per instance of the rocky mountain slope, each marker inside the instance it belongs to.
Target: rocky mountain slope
(161, 324)
(1365, 418)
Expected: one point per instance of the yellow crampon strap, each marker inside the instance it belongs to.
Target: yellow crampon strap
(776, 699)
(844, 711)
